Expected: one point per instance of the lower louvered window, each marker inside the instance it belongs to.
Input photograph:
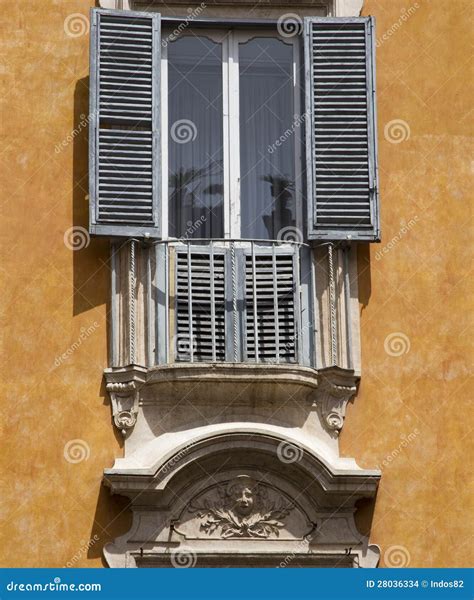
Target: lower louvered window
(200, 307)
(236, 305)
(270, 308)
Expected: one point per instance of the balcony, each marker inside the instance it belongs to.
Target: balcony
(202, 301)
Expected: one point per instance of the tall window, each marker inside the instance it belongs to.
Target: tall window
(231, 101)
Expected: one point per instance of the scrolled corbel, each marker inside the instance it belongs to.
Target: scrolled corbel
(336, 387)
(124, 397)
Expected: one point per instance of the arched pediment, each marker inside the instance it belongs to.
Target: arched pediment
(238, 488)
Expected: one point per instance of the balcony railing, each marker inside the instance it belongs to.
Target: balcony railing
(220, 301)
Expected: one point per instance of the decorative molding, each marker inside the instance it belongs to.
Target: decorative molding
(242, 508)
(123, 386)
(336, 387)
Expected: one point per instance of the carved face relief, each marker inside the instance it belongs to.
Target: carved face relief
(242, 508)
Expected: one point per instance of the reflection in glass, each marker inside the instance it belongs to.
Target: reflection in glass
(266, 113)
(195, 138)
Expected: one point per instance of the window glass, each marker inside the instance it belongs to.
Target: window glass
(267, 170)
(195, 109)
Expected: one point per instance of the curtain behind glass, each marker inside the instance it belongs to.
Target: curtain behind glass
(195, 138)
(266, 112)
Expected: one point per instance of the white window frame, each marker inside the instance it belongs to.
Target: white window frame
(230, 40)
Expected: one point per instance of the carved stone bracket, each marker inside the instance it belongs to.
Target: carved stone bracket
(336, 387)
(123, 386)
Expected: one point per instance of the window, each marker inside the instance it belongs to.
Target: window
(228, 96)
(186, 136)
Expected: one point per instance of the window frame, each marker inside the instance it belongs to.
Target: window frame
(230, 39)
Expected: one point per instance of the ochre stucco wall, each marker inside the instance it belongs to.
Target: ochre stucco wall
(411, 415)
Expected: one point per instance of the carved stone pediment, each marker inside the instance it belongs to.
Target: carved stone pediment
(242, 508)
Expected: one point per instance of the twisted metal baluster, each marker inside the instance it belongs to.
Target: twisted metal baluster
(234, 300)
(131, 301)
(332, 305)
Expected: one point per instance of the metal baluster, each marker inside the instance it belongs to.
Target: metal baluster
(275, 305)
(332, 305)
(213, 302)
(234, 303)
(190, 304)
(254, 290)
(131, 301)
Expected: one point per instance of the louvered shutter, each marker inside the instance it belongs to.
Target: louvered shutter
(271, 332)
(341, 129)
(200, 306)
(124, 123)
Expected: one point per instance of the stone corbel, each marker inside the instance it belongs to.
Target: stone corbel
(123, 386)
(336, 387)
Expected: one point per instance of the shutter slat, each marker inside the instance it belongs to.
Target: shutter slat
(341, 145)
(124, 135)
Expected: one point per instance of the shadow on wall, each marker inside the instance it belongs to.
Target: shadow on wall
(364, 274)
(91, 255)
(112, 518)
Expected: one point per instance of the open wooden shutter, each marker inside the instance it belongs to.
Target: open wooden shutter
(124, 169)
(341, 129)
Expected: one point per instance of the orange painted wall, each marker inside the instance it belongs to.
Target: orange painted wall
(54, 299)
(416, 292)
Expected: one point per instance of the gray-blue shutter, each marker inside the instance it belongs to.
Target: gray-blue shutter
(124, 144)
(341, 144)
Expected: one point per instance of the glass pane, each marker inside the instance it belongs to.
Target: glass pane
(266, 115)
(196, 179)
